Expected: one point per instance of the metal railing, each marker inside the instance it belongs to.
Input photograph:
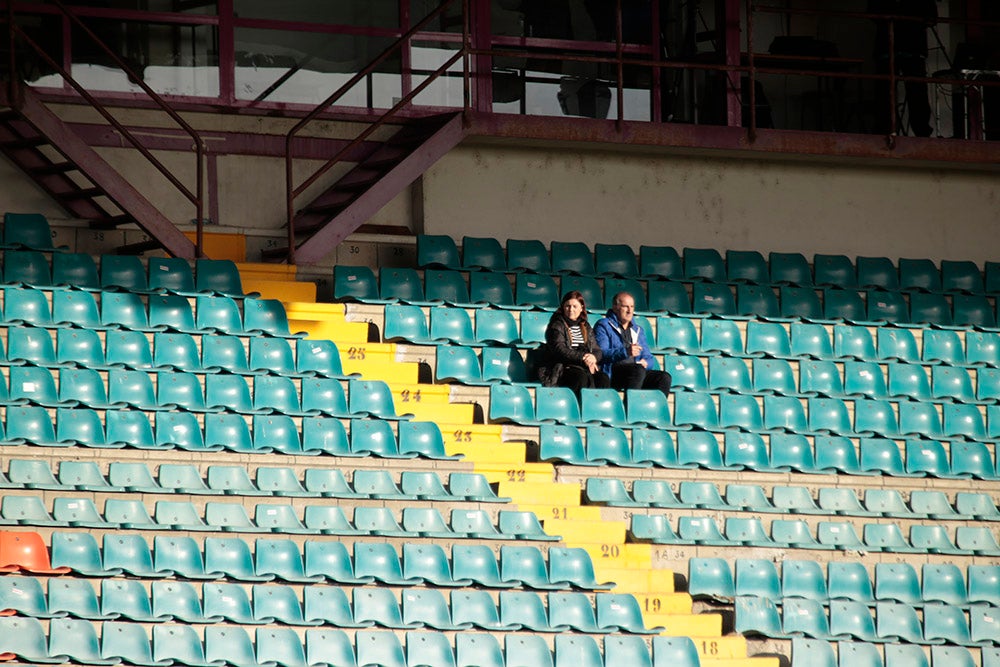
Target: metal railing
(197, 198)
(293, 191)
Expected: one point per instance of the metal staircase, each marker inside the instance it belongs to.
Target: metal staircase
(315, 229)
(52, 154)
(77, 177)
(370, 184)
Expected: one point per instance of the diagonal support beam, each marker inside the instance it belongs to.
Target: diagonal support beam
(323, 242)
(118, 189)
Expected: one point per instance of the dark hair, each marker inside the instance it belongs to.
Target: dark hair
(575, 294)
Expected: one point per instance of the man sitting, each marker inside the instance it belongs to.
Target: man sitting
(626, 356)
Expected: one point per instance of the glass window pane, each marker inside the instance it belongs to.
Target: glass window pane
(288, 66)
(370, 13)
(171, 59)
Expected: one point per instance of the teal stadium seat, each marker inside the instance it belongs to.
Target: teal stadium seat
(491, 288)
(27, 230)
(171, 312)
(713, 299)
(746, 266)
(437, 251)
(834, 271)
(810, 341)
(801, 302)
(766, 339)
(29, 268)
(170, 274)
(615, 260)
(930, 309)
(660, 262)
(355, 283)
(722, 337)
(789, 268)
(919, 275)
(877, 272)
(972, 310)
(666, 296)
(536, 290)
(403, 285)
(217, 276)
(844, 305)
(888, 307)
(961, 276)
(588, 286)
(528, 255)
(758, 301)
(77, 307)
(571, 257)
(704, 264)
(483, 254)
(123, 272)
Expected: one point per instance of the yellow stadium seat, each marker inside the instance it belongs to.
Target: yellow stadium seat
(534, 493)
(687, 625)
(308, 310)
(380, 370)
(500, 471)
(459, 433)
(630, 580)
(762, 661)
(636, 556)
(342, 332)
(664, 603)
(299, 290)
(267, 271)
(572, 513)
(578, 533)
(222, 246)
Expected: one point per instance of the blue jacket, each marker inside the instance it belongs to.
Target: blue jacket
(608, 332)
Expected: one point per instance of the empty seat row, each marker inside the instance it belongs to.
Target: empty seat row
(785, 303)
(745, 412)
(739, 266)
(180, 390)
(261, 434)
(835, 379)
(821, 653)
(137, 477)
(743, 301)
(461, 364)
(137, 312)
(27, 230)
(936, 583)
(359, 607)
(120, 272)
(837, 416)
(766, 452)
(921, 503)
(828, 535)
(813, 341)
(28, 510)
(210, 353)
(886, 622)
(317, 561)
(80, 641)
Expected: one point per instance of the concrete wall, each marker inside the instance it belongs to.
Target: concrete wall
(633, 197)
(725, 203)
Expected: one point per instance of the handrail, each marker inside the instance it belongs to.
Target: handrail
(198, 197)
(291, 191)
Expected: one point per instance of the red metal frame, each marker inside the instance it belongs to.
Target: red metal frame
(197, 198)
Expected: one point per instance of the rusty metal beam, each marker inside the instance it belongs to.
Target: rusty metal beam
(124, 194)
(733, 141)
(323, 242)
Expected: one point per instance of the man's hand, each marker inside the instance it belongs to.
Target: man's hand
(634, 350)
(642, 362)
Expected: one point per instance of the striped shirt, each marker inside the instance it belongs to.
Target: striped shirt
(576, 336)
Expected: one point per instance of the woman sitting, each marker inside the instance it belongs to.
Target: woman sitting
(573, 356)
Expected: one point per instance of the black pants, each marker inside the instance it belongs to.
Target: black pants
(577, 378)
(635, 376)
